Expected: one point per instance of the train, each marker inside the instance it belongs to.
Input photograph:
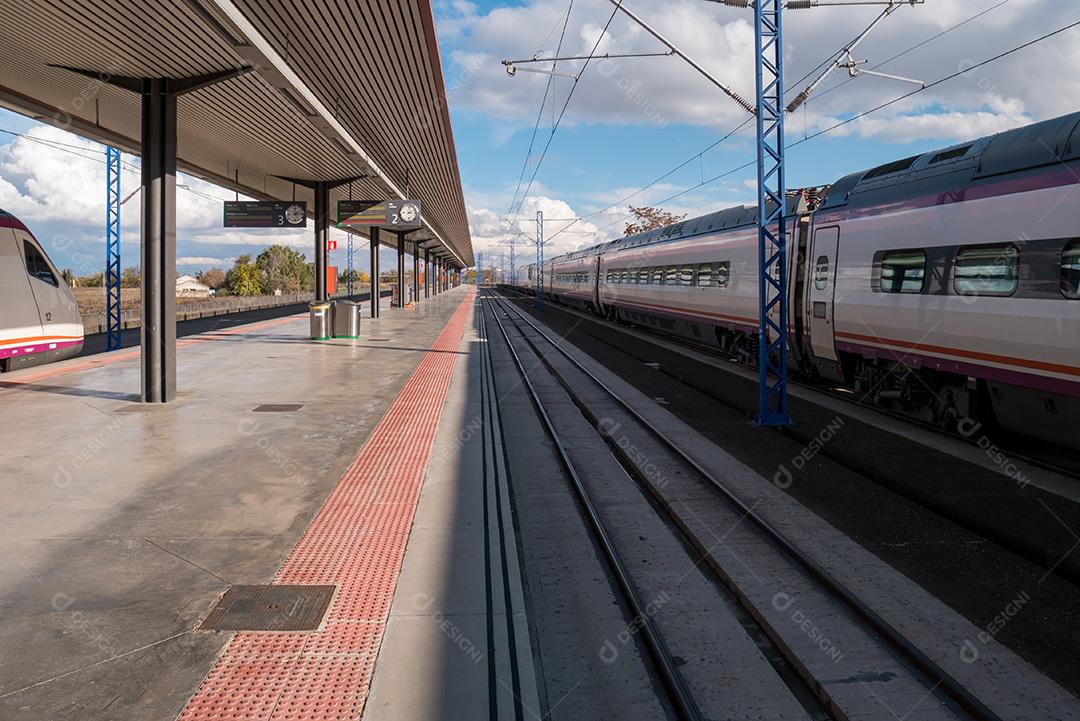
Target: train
(944, 286)
(39, 319)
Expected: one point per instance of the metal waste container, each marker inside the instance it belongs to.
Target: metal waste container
(321, 319)
(346, 319)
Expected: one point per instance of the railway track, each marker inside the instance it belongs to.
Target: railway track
(641, 448)
(1050, 549)
(1062, 461)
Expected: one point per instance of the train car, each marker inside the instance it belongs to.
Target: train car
(39, 320)
(524, 277)
(696, 279)
(573, 278)
(945, 285)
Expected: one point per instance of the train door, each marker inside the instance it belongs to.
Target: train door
(800, 248)
(821, 293)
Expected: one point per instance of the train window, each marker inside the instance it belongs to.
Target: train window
(989, 270)
(657, 276)
(704, 274)
(643, 276)
(671, 275)
(1070, 270)
(723, 272)
(821, 272)
(903, 271)
(625, 276)
(686, 275)
(37, 266)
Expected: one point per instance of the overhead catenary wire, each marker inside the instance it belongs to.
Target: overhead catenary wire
(912, 49)
(728, 135)
(562, 112)
(88, 154)
(697, 156)
(882, 106)
(540, 112)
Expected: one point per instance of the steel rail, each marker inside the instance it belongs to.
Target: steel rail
(684, 702)
(938, 677)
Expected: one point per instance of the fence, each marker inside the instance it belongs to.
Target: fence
(131, 318)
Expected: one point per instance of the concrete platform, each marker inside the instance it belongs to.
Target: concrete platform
(123, 523)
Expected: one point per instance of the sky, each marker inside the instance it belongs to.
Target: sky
(625, 131)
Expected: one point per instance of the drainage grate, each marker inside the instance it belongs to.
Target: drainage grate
(278, 407)
(270, 608)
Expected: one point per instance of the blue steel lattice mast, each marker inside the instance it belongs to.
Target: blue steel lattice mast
(772, 232)
(112, 248)
(349, 261)
(540, 259)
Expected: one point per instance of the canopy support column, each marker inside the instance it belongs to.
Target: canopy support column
(401, 269)
(374, 294)
(158, 253)
(322, 236)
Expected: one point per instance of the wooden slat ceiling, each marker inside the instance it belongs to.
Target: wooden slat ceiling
(335, 81)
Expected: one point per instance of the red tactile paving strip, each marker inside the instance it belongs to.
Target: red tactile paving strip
(356, 542)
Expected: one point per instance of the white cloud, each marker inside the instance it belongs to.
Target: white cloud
(298, 237)
(659, 91)
(204, 261)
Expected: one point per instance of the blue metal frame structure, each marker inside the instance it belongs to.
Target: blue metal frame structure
(513, 267)
(112, 248)
(772, 230)
(540, 259)
(349, 262)
(479, 268)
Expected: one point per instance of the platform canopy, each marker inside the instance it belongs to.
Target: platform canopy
(324, 91)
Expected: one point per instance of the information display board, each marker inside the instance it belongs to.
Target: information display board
(393, 214)
(265, 214)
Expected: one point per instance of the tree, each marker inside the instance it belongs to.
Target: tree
(90, 281)
(244, 278)
(282, 268)
(68, 276)
(649, 218)
(213, 278)
(130, 277)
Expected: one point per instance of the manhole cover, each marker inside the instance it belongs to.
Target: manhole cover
(278, 407)
(269, 608)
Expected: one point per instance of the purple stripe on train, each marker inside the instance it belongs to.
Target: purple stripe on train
(33, 348)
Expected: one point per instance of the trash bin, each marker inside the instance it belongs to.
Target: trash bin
(321, 319)
(346, 319)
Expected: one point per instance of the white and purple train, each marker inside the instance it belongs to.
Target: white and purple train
(39, 320)
(944, 285)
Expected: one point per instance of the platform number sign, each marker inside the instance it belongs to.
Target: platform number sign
(264, 214)
(392, 214)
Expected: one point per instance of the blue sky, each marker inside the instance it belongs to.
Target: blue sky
(628, 121)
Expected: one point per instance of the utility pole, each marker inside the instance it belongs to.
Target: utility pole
(540, 259)
(349, 265)
(772, 229)
(111, 279)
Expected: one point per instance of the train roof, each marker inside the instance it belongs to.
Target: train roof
(960, 166)
(953, 168)
(7, 220)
